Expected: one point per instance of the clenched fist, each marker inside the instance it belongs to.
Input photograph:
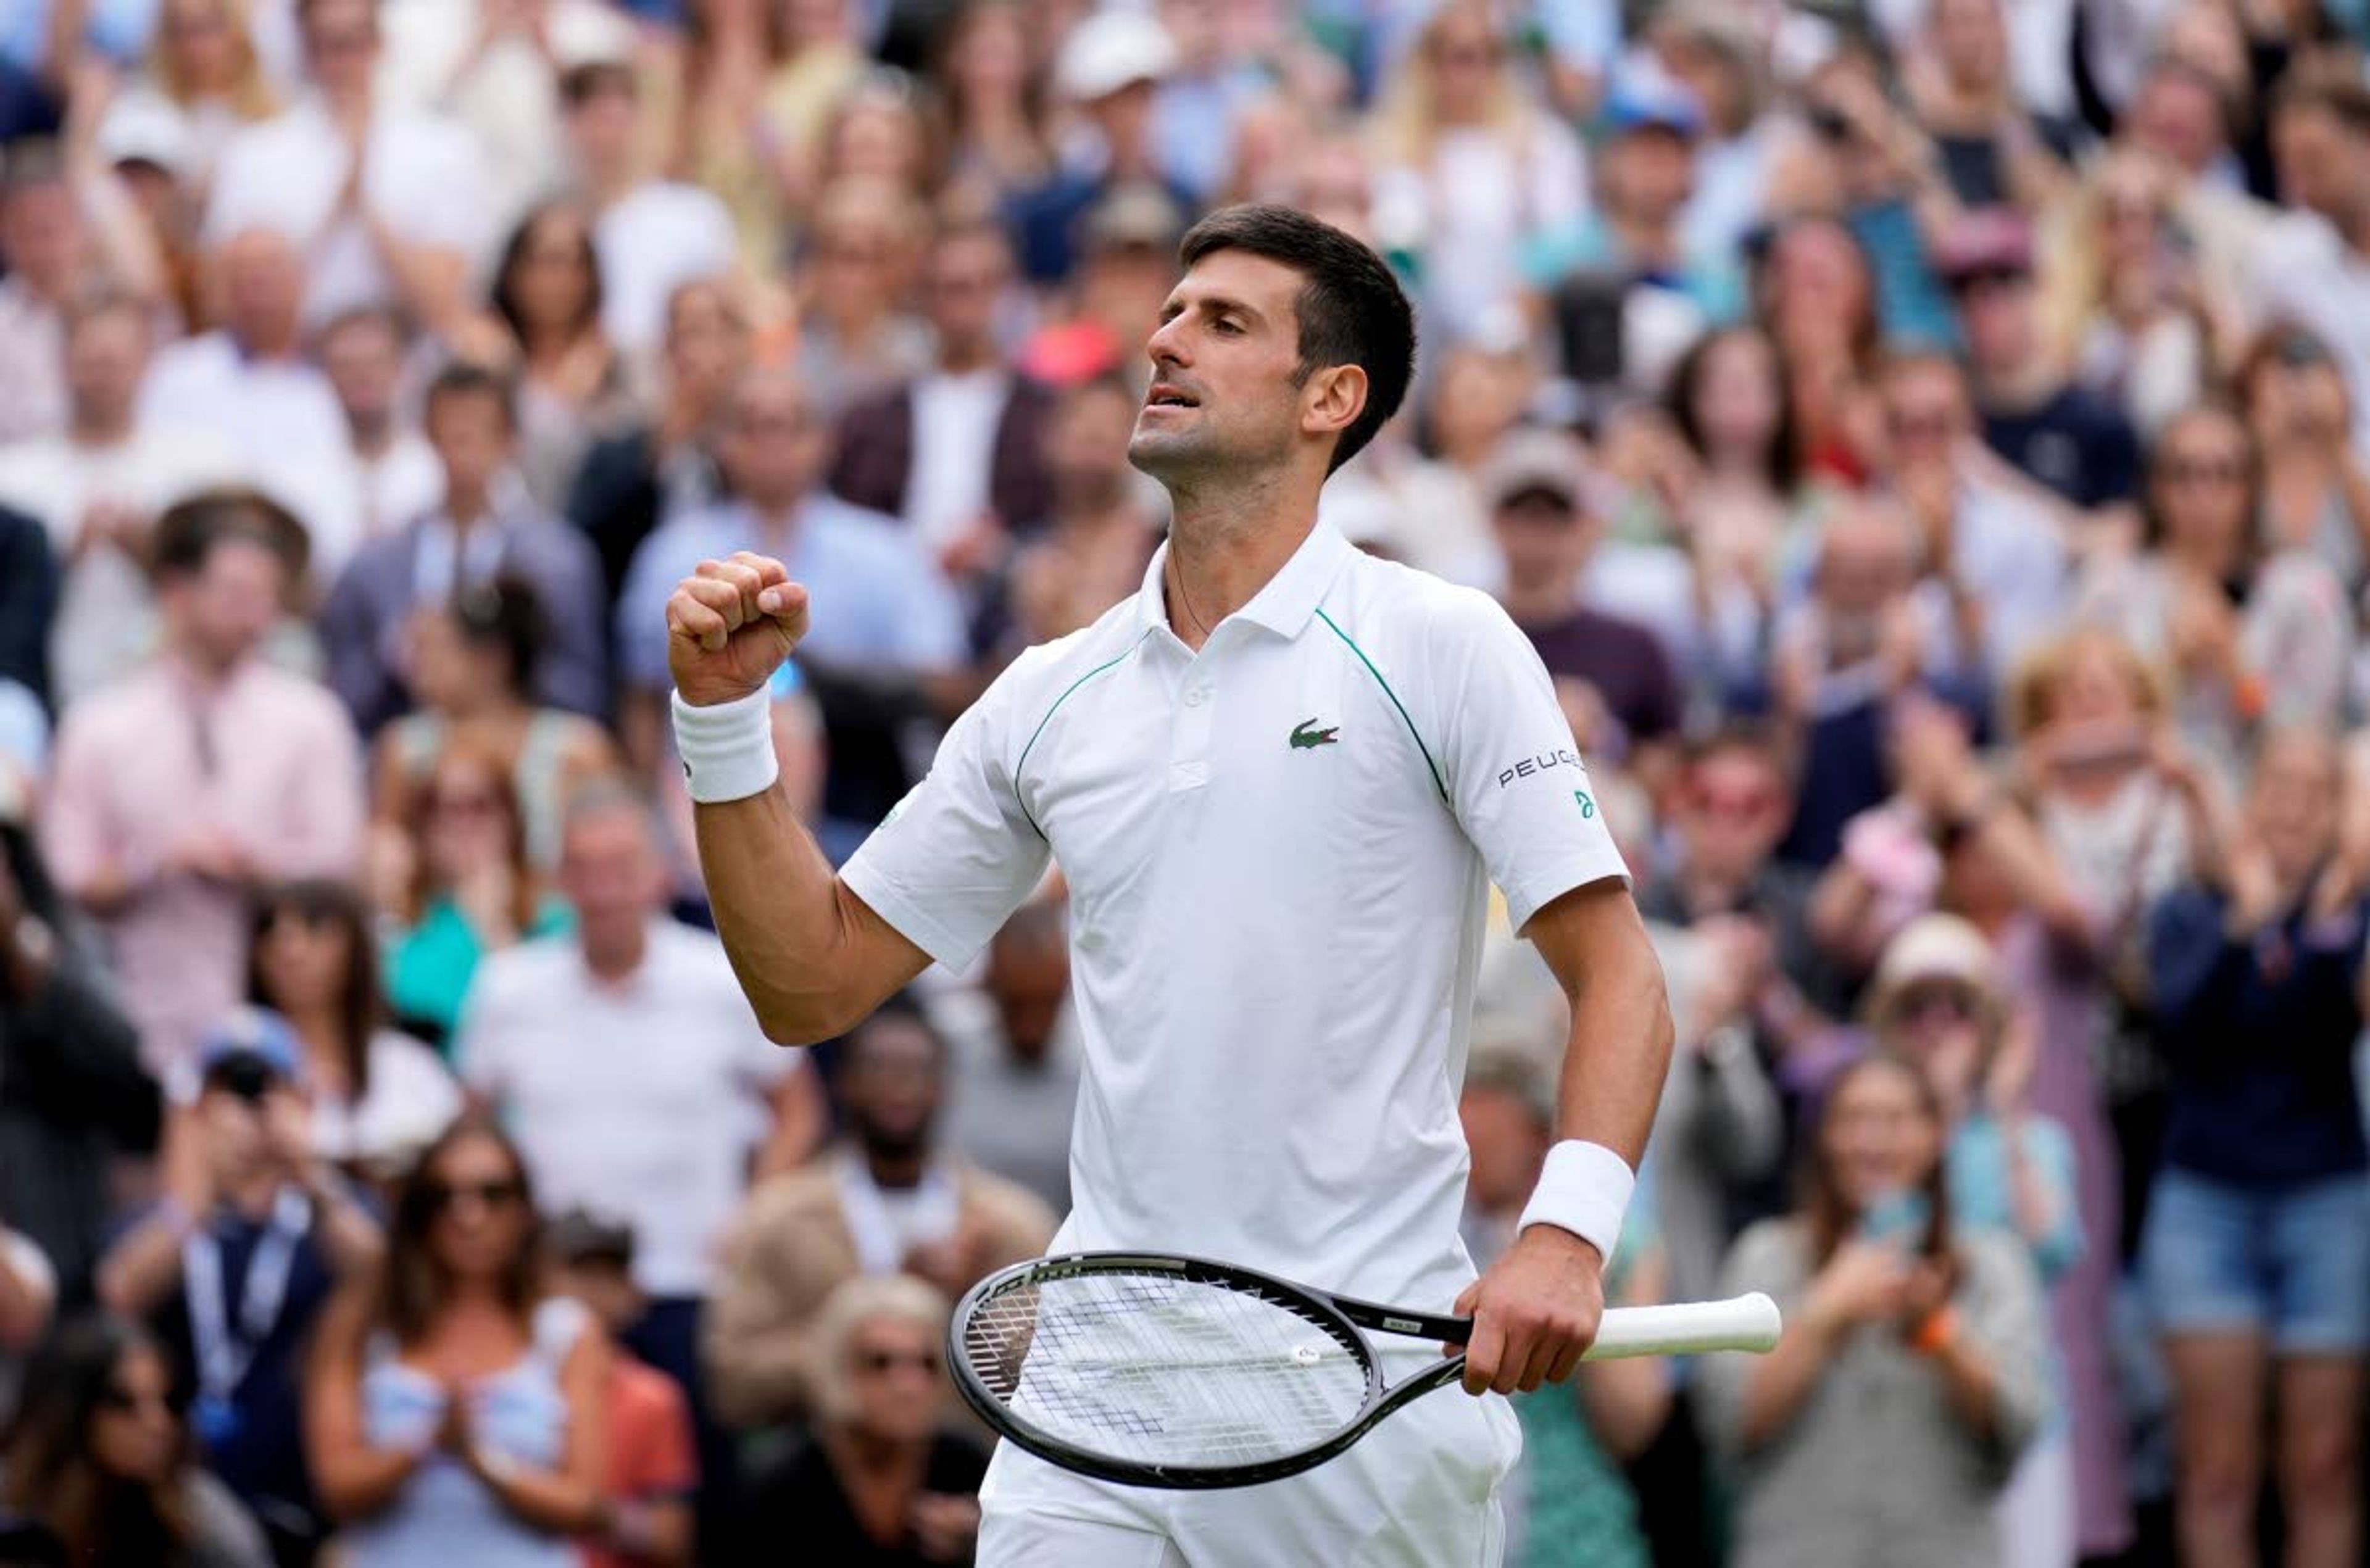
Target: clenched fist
(730, 625)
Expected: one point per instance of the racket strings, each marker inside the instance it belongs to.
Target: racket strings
(1159, 1371)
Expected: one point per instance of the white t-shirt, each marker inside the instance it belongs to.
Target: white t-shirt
(955, 419)
(642, 1102)
(399, 486)
(424, 178)
(279, 420)
(654, 240)
(58, 481)
(413, 1099)
(1278, 852)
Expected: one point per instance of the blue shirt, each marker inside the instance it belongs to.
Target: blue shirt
(876, 598)
(1983, 1191)
(2261, 1038)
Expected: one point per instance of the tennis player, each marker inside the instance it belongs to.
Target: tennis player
(1279, 781)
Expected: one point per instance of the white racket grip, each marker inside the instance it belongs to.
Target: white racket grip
(1689, 1328)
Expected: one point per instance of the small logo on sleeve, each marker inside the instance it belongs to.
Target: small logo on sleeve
(1544, 763)
(1587, 806)
(1306, 734)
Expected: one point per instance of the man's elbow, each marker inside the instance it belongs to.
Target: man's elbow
(805, 1019)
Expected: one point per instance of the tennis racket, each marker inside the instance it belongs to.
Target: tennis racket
(1180, 1372)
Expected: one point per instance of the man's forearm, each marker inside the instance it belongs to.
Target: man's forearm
(778, 907)
(1618, 1052)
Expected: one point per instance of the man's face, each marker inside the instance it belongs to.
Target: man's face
(1542, 535)
(707, 343)
(365, 364)
(224, 609)
(891, 1086)
(2177, 117)
(2292, 803)
(1508, 1146)
(106, 357)
(1996, 313)
(1926, 415)
(1225, 360)
(769, 446)
(610, 871)
(967, 278)
(2320, 163)
(1652, 172)
(1086, 443)
(602, 128)
(341, 43)
(264, 289)
(40, 229)
(471, 433)
(1734, 813)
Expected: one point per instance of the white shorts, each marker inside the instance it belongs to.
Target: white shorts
(1420, 1491)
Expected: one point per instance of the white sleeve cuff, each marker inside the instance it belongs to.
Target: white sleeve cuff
(1583, 1188)
(726, 748)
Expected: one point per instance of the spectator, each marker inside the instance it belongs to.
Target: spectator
(1729, 403)
(1815, 291)
(74, 1098)
(204, 70)
(1715, 55)
(474, 670)
(2066, 439)
(362, 354)
(1963, 88)
(452, 1408)
(1576, 1508)
(2305, 267)
(634, 479)
(1939, 1002)
(1471, 171)
(855, 269)
(1913, 1364)
(234, 1264)
(547, 321)
(2315, 487)
(459, 884)
(893, 611)
(558, 1039)
(248, 386)
(44, 244)
(2124, 301)
(2252, 1251)
(389, 202)
(646, 1519)
(1547, 534)
(1013, 1057)
(957, 452)
(879, 1485)
(182, 786)
(378, 1096)
(100, 1455)
(995, 101)
(98, 486)
(1090, 549)
(888, 1200)
(1986, 536)
(1106, 70)
(28, 603)
(485, 526)
(651, 236)
(2248, 636)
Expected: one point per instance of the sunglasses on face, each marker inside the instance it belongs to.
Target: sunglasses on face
(876, 1363)
(1954, 1003)
(2204, 471)
(1990, 280)
(122, 1400)
(443, 1196)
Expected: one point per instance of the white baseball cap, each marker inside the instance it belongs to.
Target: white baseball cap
(145, 128)
(1112, 49)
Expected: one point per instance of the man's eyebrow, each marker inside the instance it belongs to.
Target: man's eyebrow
(1211, 304)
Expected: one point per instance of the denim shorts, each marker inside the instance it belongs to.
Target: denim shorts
(2290, 1261)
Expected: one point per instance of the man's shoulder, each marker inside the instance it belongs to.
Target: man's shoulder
(1045, 670)
(539, 966)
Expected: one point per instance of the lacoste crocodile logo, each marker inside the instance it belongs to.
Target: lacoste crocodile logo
(1308, 735)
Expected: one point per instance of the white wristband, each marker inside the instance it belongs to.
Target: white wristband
(1583, 1188)
(726, 748)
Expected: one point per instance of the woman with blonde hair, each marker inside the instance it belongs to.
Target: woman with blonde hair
(1469, 167)
(2123, 301)
(879, 1485)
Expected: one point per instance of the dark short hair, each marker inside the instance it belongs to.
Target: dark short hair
(2334, 91)
(464, 378)
(190, 530)
(1351, 308)
(505, 613)
(590, 79)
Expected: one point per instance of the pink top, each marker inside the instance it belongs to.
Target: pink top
(267, 759)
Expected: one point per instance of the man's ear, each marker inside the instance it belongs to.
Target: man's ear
(1333, 399)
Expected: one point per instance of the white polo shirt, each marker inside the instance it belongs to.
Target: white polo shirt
(1278, 852)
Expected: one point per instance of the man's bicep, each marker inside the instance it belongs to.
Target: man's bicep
(882, 960)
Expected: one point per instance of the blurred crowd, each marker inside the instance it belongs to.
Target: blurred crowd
(1925, 439)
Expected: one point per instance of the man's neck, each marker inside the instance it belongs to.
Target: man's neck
(776, 516)
(898, 1169)
(1226, 541)
(372, 434)
(202, 670)
(871, 1458)
(270, 350)
(605, 187)
(466, 509)
(249, 1196)
(2020, 388)
(957, 357)
(1542, 603)
(615, 963)
(88, 428)
(1644, 241)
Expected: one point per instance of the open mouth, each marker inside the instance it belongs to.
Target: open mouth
(1164, 396)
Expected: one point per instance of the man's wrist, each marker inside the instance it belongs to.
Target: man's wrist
(1583, 1188)
(726, 748)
